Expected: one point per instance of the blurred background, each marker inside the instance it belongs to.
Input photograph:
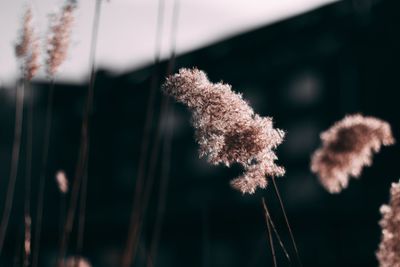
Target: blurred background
(306, 63)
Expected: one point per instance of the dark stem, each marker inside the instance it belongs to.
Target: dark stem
(141, 210)
(271, 241)
(82, 211)
(275, 230)
(286, 220)
(83, 156)
(166, 162)
(19, 107)
(63, 202)
(28, 176)
(43, 172)
(130, 251)
(165, 170)
(18, 248)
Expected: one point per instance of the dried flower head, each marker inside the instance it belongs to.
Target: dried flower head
(62, 181)
(388, 253)
(27, 48)
(77, 262)
(27, 242)
(227, 129)
(347, 147)
(59, 37)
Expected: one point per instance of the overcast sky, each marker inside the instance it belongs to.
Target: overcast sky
(127, 29)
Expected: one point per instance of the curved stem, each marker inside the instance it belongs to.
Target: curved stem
(275, 230)
(271, 241)
(14, 161)
(130, 250)
(28, 178)
(286, 220)
(43, 171)
(80, 176)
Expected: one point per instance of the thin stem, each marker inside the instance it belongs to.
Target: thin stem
(18, 248)
(28, 178)
(286, 220)
(14, 161)
(84, 146)
(63, 202)
(274, 229)
(140, 214)
(43, 172)
(129, 251)
(82, 211)
(271, 241)
(92, 60)
(165, 170)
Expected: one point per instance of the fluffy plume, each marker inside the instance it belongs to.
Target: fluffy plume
(388, 253)
(227, 129)
(59, 37)
(347, 147)
(77, 262)
(27, 242)
(27, 47)
(62, 181)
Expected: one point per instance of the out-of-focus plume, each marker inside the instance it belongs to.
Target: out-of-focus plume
(27, 47)
(347, 147)
(27, 243)
(59, 37)
(227, 129)
(62, 182)
(77, 261)
(388, 253)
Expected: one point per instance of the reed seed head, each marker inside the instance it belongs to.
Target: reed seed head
(59, 37)
(227, 129)
(77, 261)
(27, 241)
(347, 147)
(388, 253)
(62, 182)
(27, 47)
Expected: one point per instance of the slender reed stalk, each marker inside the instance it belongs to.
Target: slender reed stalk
(28, 178)
(19, 107)
(82, 211)
(86, 125)
(162, 194)
(271, 241)
(43, 172)
(166, 162)
(27, 52)
(140, 215)
(18, 248)
(275, 230)
(128, 254)
(63, 205)
(81, 168)
(139, 218)
(286, 220)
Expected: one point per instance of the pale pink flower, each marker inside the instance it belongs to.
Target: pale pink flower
(59, 37)
(227, 129)
(62, 181)
(27, 48)
(388, 253)
(347, 147)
